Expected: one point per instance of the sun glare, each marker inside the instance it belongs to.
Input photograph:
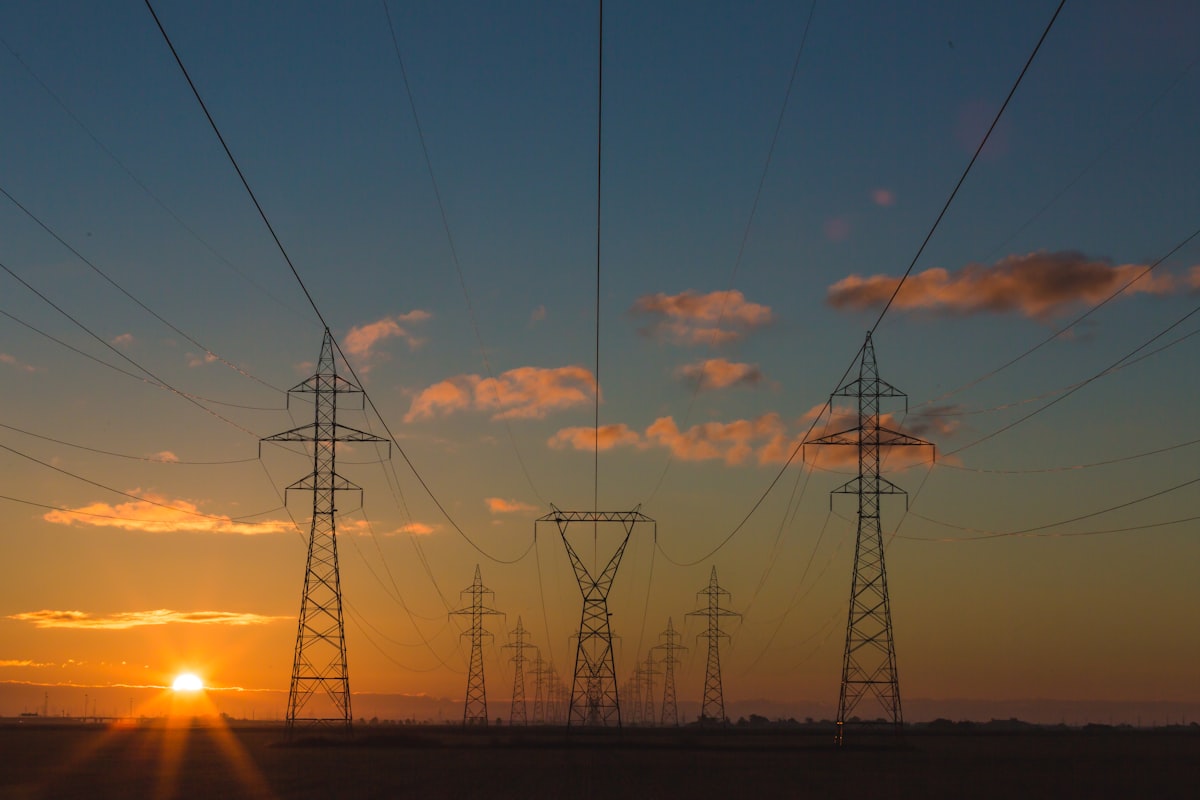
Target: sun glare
(187, 682)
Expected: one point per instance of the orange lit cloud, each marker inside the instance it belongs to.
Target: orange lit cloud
(121, 340)
(157, 514)
(361, 527)
(732, 442)
(707, 319)
(16, 363)
(717, 373)
(124, 620)
(165, 455)
(361, 339)
(200, 359)
(581, 438)
(883, 197)
(1038, 285)
(416, 529)
(498, 505)
(521, 393)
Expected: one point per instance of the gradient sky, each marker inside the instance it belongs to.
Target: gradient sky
(713, 358)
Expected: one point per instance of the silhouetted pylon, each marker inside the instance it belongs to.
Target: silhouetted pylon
(712, 710)
(540, 672)
(670, 709)
(517, 714)
(648, 673)
(475, 706)
(319, 692)
(869, 659)
(594, 696)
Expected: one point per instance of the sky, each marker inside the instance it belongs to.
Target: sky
(750, 235)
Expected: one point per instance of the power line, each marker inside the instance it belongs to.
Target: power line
(437, 193)
(312, 302)
(737, 262)
(967, 171)
(159, 460)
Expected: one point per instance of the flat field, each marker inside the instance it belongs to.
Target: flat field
(214, 761)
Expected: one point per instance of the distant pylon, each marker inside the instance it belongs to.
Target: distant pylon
(712, 711)
(594, 698)
(670, 709)
(540, 672)
(636, 685)
(517, 714)
(869, 660)
(319, 693)
(648, 673)
(475, 706)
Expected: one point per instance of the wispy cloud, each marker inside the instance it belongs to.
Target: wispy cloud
(710, 319)
(16, 363)
(121, 340)
(581, 438)
(732, 442)
(361, 340)
(883, 197)
(1038, 285)
(123, 620)
(22, 662)
(717, 373)
(498, 505)
(360, 527)
(159, 514)
(521, 393)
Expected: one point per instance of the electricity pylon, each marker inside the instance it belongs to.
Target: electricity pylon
(636, 684)
(670, 709)
(319, 693)
(712, 711)
(869, 660)
(517, 714)
(540, 672)
(475, 706)
(649, 672)
(594, 699)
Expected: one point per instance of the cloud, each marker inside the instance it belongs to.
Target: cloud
(416, 529)
(521, 393)
(717, 373)
(200, 359)
(16, 363)
(123, 620)
(732, 442)
(883, 197)
(498, 505)
(538, 315)
(708, 319)
(165, 455)
(121, 340)
(837, 229)
(362, 339)
(21, 662)
(158, 514)
(581, 438)
(1038, 285)
(893, 457)
(361, 527)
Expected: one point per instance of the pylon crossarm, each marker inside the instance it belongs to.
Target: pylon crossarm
(846, 437)
(891, 438)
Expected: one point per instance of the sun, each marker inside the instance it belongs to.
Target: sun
(187, 682)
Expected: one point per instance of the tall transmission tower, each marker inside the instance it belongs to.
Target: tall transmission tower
(475, 710)
(517, 714)
(712, 711)
(648, 672)
(869, 660)
(594, 699)
(636, 685)
(319, 694)
(670, 709)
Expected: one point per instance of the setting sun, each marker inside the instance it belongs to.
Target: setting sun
(187, 682)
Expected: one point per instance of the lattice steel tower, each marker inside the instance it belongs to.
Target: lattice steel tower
(475, 706)
(517, 714)
(712, 711)
(594, 699)
(319, 694)
(670, 709)
(648, 673)
(869, 660)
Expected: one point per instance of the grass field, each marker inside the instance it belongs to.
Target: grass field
(212, 761)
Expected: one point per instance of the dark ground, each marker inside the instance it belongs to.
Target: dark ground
(77, 761)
